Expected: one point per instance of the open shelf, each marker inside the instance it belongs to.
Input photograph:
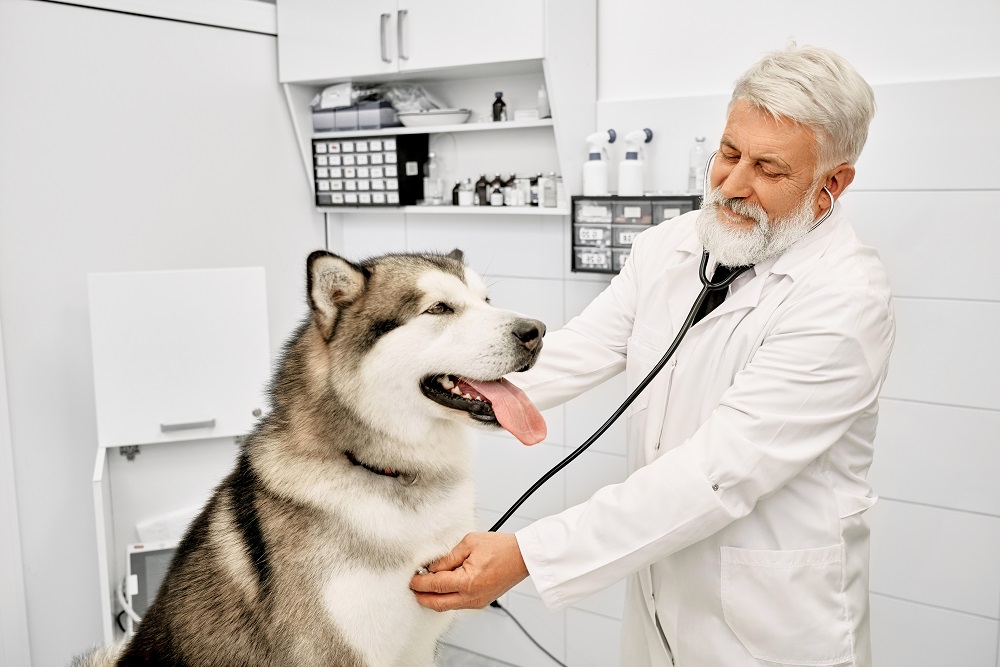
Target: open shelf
(436, 129)
(449, 210)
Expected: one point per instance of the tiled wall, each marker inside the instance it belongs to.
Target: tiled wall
(926, 196)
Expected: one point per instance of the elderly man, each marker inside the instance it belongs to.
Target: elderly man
(741, 524)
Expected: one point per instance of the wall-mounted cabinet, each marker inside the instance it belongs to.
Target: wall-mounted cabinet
(322, 40)
(461, 53)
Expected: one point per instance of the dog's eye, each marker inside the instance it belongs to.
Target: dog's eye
(439, 309)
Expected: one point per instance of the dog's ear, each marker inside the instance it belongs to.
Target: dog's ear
(457, 255)
(331, 284)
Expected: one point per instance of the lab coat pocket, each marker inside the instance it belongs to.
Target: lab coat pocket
(640, 358)
(787, 607)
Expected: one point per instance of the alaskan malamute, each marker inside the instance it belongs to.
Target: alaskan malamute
(359, 475)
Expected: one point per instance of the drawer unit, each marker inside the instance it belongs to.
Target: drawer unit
(605, 227)
(380, 170)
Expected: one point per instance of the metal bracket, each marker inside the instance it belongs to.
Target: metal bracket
(129, 451)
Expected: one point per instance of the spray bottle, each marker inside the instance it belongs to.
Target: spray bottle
(595, 169)
(631, 170)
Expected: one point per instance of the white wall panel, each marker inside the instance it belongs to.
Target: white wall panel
(907, 634)
(938, 455)
(945, 352)
(516, 245)
(592, 640)
(940, 557)
(505, 469)
(933, 244)
(580, 293)
(932, 135)
(609, 602)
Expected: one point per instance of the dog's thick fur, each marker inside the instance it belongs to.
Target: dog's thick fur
(358, 476)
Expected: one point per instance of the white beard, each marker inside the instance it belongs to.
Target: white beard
(734, 246)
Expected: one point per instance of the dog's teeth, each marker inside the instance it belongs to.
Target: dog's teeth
(456, 391)
(446, 382)
(466, 396)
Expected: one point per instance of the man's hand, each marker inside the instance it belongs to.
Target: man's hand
(480, 569)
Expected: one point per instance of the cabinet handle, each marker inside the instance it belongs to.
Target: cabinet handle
(399, 33)
(383, 22)
(208, 423)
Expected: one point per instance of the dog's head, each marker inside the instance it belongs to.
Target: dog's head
(411, 339)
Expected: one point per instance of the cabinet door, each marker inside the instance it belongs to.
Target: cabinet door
(178, 355)
(335, 39)
(451, 33)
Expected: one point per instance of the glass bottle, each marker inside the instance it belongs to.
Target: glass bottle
(534, 199)
(496, 191)
(509, 193)
(466, 193)
(482, 191)
(454, 193)
(697, 162)
(499, 108)
(433, 185)
(549, 191)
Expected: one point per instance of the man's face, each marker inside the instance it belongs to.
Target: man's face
(763, 161)
(762, 195)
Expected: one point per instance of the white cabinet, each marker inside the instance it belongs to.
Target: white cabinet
(178, 355)
(335, 39)
(324, 40)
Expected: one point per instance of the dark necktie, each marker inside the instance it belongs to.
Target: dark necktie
(715, 297)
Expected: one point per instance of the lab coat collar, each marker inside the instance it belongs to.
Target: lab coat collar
(794, 262)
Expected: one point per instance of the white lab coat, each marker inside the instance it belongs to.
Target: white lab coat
(741, 520)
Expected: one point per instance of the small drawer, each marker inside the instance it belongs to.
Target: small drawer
(618, 257)
(623, 235)
(593, 211)
(592, 259)
(593, 235)
(636, 212)
(671, 209)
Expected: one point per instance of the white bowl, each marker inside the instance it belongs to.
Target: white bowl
(434, 117)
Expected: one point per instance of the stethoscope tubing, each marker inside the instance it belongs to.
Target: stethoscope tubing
(707, 286)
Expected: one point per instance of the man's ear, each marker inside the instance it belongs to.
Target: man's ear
(836, 182)
(331, 284)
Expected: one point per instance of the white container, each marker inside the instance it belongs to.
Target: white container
(697, 164)
(595, 176)
(631, 176)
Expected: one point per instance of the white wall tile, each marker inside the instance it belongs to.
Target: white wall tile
(938, 455)
(945, 352)
(931, 135)
(915, 635)
(491, 632)
(935, 556)
(592, 471)
(368, 234)
(541, 299)
(592, 640)
(516, 245)
(933, 244)
(579, 293)
(506, 469)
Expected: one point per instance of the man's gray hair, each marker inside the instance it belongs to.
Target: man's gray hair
(818, 89)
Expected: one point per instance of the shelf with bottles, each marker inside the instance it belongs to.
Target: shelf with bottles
(438, 129)
(454, 210)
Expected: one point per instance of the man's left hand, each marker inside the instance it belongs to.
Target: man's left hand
(480, 569)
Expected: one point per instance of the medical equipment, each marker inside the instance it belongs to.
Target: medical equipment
(707, 287)
(631, 170)
(595, 169)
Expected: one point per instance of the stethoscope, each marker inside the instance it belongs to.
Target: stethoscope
(707, 287)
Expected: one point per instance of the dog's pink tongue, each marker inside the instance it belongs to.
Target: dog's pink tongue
(514, 411)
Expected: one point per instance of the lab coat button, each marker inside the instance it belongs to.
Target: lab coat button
(715, 487)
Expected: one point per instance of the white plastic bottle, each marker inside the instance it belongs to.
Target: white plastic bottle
(595, 169)
(697, 163)
(632, 170)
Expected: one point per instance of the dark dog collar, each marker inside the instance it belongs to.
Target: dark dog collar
(378, 471)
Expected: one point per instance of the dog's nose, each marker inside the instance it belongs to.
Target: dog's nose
(530, 333)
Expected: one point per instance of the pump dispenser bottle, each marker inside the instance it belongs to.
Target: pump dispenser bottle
(632, 170)
(595, 169)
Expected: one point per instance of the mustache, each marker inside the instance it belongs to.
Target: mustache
(714, 199)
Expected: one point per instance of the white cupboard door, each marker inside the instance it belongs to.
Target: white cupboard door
(335, 39)
(452, 33)
(178, 355)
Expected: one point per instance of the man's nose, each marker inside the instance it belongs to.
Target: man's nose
(737, 181)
